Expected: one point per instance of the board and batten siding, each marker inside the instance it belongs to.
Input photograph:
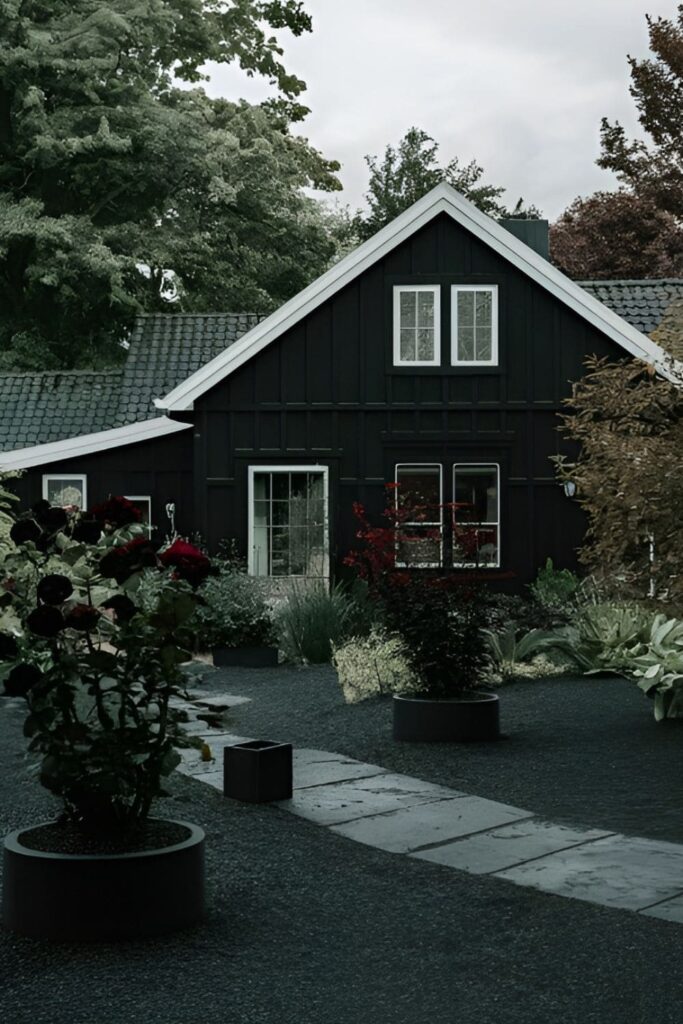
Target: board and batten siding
(327, 392)
(160, 468)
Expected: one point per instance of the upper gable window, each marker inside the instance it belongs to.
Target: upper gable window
(416, 325)
(474, 325)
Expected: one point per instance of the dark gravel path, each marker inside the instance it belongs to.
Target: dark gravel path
(586, 751)
(309, 928)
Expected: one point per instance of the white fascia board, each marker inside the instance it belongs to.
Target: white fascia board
(442, 199)
(86, 444)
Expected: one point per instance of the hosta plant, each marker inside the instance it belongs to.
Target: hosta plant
(96, 665)
(520, 657)
(659, 668)
(602, 637)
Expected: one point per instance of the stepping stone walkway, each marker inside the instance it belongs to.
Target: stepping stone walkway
(400, 814)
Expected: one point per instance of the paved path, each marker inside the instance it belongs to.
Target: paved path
(400, 814)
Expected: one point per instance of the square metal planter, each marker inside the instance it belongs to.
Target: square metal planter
(258, 772)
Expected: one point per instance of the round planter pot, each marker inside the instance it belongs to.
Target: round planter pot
(103, 897)
(245, 657)
(435, 720)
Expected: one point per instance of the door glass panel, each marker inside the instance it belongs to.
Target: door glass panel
(289, 528)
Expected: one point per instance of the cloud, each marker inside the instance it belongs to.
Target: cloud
(521, 87)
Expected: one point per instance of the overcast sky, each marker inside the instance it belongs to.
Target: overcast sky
(519, 85)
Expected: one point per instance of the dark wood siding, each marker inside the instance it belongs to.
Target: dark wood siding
(327, 392)
(161, 468)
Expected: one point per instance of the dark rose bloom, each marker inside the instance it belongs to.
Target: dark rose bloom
(45, 621)
(21, 679)
(123, 560)
(54, 589)
(117, 512)
(83, 617)
(189, 562)
(53, 519)
(40, 508)
(87, 531)
(25, 530)
(8, 647)
(124, 609)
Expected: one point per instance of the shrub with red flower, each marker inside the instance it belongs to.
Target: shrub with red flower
(187, 561)
(122, 560)
(116, 512)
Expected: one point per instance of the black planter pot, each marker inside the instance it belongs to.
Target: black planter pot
(258, 772)
(245, 657)
(435, 720)
(103, 897)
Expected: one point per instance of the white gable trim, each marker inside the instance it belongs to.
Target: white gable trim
(74, 447)
(442, 199)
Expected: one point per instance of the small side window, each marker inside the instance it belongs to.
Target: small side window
(143, 504)
(66, 490)
(417, 321)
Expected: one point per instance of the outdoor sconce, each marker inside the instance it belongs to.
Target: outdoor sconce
(569, 488)
(170, 512)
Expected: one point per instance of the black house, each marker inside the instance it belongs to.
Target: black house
(436, 355)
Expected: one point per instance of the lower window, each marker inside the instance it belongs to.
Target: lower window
(288, 521)
(419, 504)
(143, 504)
(66, 490)
(476, 515)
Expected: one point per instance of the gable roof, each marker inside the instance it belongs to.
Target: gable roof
(442, 199)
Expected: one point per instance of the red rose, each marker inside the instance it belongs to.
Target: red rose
(116, 512)
(82, 617)
(189, 562)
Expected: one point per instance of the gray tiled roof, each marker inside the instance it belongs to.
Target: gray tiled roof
(165, 348)
(39, 407)
(641, 303)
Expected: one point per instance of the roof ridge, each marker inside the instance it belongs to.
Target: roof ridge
(632, 281)
(177, 316)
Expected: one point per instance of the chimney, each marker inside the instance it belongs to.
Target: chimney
(533, 233)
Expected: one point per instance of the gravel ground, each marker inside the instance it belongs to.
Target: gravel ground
(583, 751)
(306, 927)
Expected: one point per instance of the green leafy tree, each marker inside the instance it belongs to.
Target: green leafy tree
(653, 168)
(122, 182)
(628, 424)
(410, 170)
(616, 235)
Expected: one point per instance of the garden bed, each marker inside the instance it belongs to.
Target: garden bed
(582, 750)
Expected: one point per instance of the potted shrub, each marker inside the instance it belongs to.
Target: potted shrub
(234, 623)
(97, 668)
(441, 625)
(440, 620)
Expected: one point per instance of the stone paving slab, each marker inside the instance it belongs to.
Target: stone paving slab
(618, 871)
(672, 910)
(214, 779)
(344, 801)
(319, 767)
(510, 845)
(407, 830)
(222, 700)
(191, 760)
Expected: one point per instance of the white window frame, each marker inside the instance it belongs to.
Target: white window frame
(493, 289)
(497, 524)
(148, 499)
(82, 477)
(311, 468)
(435, 289)
(439, 525)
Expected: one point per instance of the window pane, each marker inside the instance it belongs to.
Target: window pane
(425, 309)
(425, 344)
(65, 493)
(316, 512)
(466, 309)
(280, 513)
(419, 545)
(419, 486)
(261, 486)
(475, 545)
(484, 306)
(316, 487)
(408, 309)
(407, 346)
(280, 552)
(484, 348)
(476, 494)
(465, 343)
(298, 551)
(280, 486)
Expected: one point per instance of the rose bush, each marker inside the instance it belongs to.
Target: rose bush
(96, 665)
